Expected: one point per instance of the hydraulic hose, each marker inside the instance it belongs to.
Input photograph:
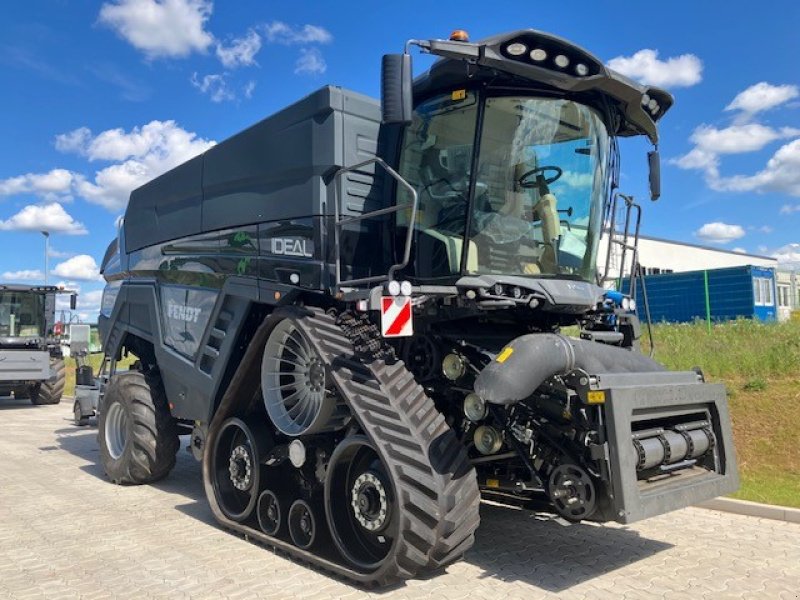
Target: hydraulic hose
(528, 361)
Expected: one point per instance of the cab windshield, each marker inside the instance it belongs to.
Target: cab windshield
(537, 185)
(21, 314)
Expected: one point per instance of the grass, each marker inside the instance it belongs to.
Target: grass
(760, 365)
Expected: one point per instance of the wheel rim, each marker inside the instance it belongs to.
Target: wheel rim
(116, 430)
(302, 524)
(294, 382)
(235, 470)
(572, 492)
(269, 512)
(360, 503)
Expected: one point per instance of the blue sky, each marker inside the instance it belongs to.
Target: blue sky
(98, 97)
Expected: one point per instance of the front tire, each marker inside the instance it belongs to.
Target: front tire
(50, 391)
(138, 436)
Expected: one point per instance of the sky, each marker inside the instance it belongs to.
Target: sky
(99, 97)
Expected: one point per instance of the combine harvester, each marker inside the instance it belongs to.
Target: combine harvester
(356, 313)
(31, 357)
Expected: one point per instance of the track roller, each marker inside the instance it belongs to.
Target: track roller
(305, 527)
(572, 492)
(270, 513)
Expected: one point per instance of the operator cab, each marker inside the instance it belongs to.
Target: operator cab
(534, 205)
(511, 149)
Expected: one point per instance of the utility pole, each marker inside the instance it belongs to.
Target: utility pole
(46, 235)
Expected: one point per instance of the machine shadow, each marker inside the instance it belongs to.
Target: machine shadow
(539, 550)
(10, 403)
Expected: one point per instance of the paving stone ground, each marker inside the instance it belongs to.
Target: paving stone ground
(66, 532)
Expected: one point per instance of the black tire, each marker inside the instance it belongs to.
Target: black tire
(138, 437)
(78, 416)
(50, 391)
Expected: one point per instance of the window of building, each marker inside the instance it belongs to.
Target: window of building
(762, 291)
(783, 296)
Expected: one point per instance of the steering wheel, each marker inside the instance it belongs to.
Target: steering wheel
(539, 171)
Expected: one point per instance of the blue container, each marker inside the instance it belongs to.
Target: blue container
(734, 292)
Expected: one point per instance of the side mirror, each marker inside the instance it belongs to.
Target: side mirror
(73, 301)
(654, 165)
(396, 93)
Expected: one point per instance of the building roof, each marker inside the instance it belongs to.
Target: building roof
(711, 248)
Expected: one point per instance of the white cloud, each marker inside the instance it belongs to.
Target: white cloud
(55, 184)
(24, 275)
(763, 96)
(81, 267)
(215, 85)
(278, 32)
(719, 233)
(249, 88)
(788, 255)
(738, 139)
(47, 217)
(310, 62)
(141, 154)
(680, 71)
(788, 209)
(160, 28)
(781, 174)
(73, 141)
(740, 250)
(241, 52)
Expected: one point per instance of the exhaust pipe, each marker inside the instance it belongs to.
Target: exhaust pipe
(528, 361)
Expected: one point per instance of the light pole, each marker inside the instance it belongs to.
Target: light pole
(46, 235)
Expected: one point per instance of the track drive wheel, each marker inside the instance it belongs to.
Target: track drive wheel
(236, 469)
(138, 436)
(50, 391)
(361, 506)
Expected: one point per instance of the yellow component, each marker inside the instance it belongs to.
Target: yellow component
(503, 356)
(493, 483)
(458, 94)
(596, 397)
(459, 35)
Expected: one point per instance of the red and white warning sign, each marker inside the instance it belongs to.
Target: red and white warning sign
(396, 319)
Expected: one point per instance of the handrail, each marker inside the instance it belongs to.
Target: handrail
(339, 223)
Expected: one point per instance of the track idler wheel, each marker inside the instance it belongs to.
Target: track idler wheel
(572, 492)
(236, 469)
(270, 512)
(361, 506)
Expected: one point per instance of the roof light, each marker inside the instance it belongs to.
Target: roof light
(651, 104)
(561, 61)
(645, 100)
(538, 54)
(516, 49)
(581, 69)
(459, 35)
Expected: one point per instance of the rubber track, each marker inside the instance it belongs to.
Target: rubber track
(435, 484)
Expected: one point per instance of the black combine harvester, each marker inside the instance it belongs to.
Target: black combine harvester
(356, 314)
(31, 360)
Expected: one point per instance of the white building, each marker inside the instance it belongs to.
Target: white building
(668, 256)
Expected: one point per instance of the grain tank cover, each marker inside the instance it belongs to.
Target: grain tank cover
(280, 168)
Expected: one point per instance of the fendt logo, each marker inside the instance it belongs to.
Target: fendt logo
(180, 312)
(292, 247)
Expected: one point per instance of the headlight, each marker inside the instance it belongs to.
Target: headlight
(633, 305)
(561, 61)
(538, 54)
(516, 49)
(581, 69)
(626, 303)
